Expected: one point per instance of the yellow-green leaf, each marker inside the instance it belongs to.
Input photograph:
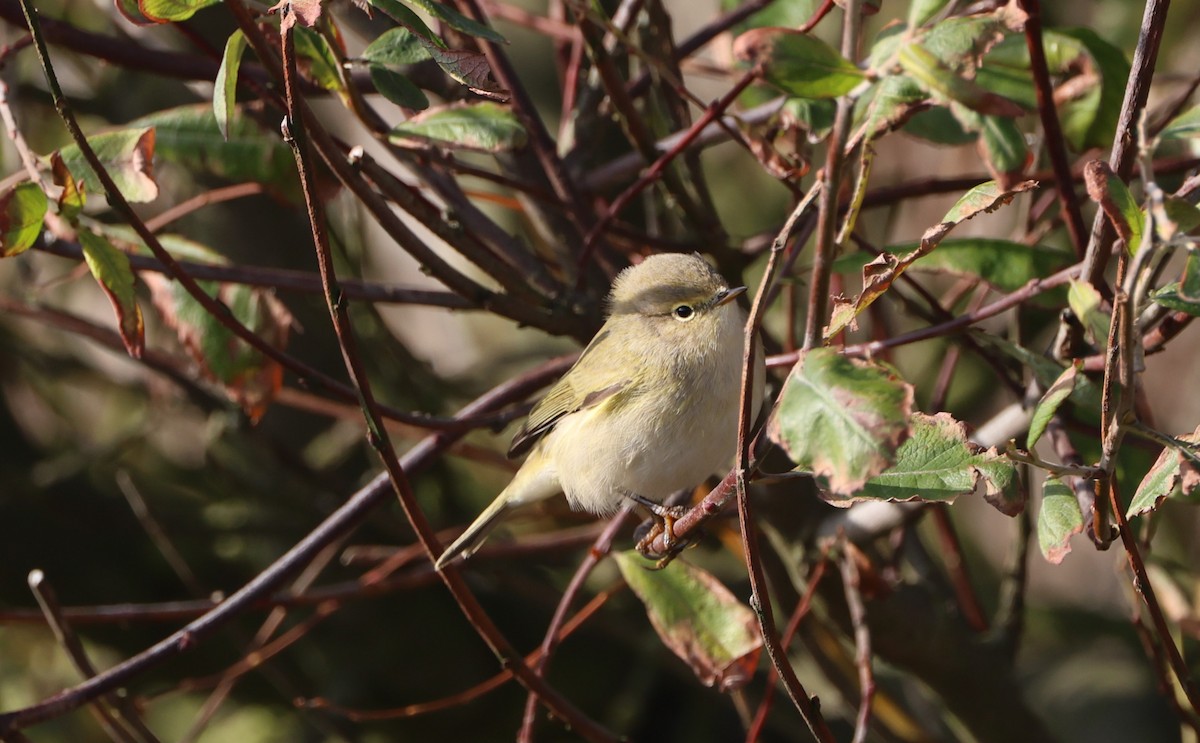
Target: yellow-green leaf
(22, 210)
(110, 267)
(1059, 520)
(127, 156)
(841, 418)
(698, 618)
(225, 87)
(797, 63)
(487, 127)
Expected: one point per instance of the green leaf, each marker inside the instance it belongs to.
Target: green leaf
(1049, 404)
(408, 19)
(798, 64)
(323, 66)
(225, 86)
(1173, 475)
(939, 126)
(1183, 296)
(110, 267)
(487, 127)
(1059, 519)
(960, 41)
(397, 88)
(842, 419)
(22, 210)
(698, 618)
(1184, 126)
(188, 136)
(815, 115)
(921, 11)
(887, 103)
(457, 21)
(249, 378)
(942, 81)
(1181, 214)
(1084, 300)
(879, 274)
(1004, 148)
(1004, 264)
(173, 10)
(1113, 196)
(395, 48)
(938, 464)
(73, 197)
(1091, 121)
(1086, 394)
(128, 157)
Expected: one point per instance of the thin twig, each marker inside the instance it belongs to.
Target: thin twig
(1055, 144)
(848, 563)
(377, 434)
(124, 723)
(600, 548)
(348, 515)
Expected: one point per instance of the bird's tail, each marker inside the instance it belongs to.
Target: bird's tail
(473, 537)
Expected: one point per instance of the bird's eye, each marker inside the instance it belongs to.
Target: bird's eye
(683, 312)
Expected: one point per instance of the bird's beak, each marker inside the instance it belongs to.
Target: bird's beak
(726, 296)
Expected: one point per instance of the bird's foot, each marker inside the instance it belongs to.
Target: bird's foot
(663, 524)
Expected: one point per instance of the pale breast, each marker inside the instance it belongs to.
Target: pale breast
(668, 437)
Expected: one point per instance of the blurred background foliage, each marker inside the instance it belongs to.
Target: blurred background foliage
(127, 486)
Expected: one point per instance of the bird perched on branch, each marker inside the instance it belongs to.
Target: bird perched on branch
(650, 407)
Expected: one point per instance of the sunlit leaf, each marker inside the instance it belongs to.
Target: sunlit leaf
(698, 618)
(22, 209)
(841, 418)
(1173, 475)
(73, 197)
(1113, 196)
(172, 10)
(1059, 520)
(457, 21)
(133, 13)
(879, 274)
(1085, 301)
(225, 86)
(940, 79)
(798, 64)
(1091, 120)
(1005, 152)
(486, 126)
(128, 158)
(110, 267)
(921, 11)
(1183, 296)
(938, 463)
(1049, 404)
(321, 61)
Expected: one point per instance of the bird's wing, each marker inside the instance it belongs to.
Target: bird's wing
(606, 377)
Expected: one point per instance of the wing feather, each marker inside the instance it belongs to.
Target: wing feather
(605, 378)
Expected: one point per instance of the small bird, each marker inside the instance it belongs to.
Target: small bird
(649, 407)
